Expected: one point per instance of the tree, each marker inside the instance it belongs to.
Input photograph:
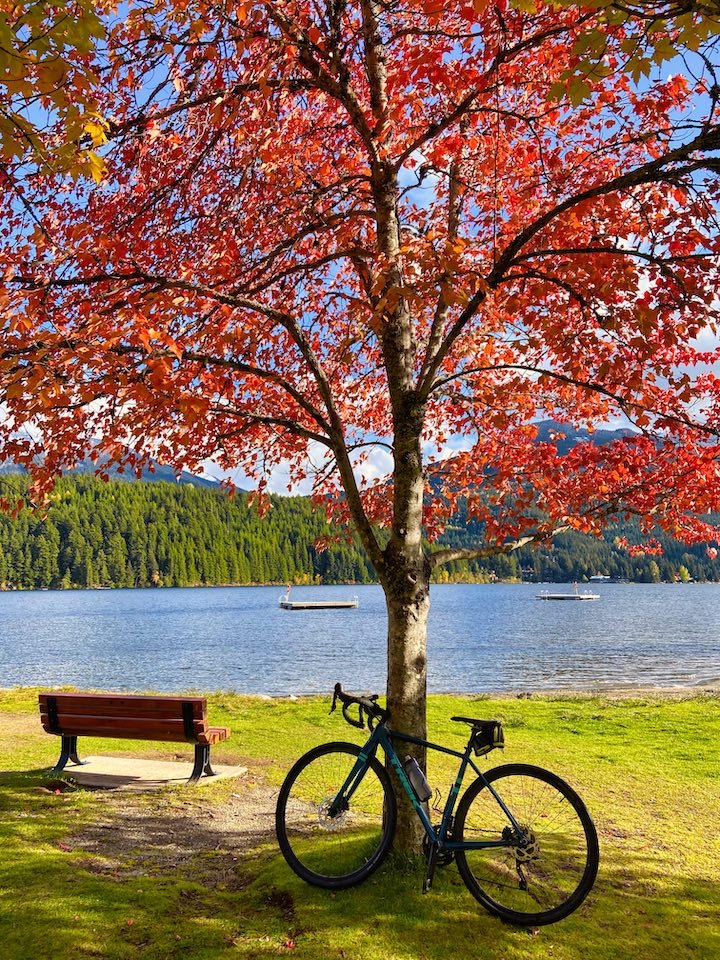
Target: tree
(346, 234)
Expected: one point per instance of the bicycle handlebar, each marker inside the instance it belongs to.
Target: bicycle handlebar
(366, 705)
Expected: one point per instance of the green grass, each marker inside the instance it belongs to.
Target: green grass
(175, 874)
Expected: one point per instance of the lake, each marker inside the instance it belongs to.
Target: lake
(482, 637)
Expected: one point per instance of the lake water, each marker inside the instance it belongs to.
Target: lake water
(481, 638)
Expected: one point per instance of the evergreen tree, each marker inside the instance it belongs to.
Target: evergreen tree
(122, 534)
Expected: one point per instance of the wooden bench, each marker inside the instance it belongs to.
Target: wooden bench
(176, 719)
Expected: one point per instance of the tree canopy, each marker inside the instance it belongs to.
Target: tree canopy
(228, 290)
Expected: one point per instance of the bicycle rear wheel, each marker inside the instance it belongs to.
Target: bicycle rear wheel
(542, 876)
(334, 851)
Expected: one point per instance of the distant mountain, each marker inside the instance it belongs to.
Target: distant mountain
(547, 428)
(158, 472)
(143, 534)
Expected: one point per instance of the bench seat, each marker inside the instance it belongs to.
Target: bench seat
(134, 717)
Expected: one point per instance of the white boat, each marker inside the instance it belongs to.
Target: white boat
(576, 595)
(286, 603)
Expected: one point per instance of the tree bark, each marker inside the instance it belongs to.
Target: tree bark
(408, 604)
(406, 581)
(405, 570)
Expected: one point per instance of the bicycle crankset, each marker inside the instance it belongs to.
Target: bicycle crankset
(444, 857)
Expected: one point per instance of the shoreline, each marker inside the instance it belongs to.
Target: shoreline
(621, 692)
(434, 585)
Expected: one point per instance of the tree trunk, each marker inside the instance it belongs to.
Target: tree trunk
(407, 686)
(406, 581)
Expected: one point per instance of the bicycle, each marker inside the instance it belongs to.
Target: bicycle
(523, 841)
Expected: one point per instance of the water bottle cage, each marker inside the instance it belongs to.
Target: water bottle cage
(488, 736)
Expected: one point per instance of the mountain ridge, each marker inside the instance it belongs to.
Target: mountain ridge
(549, 431)
(156, 472)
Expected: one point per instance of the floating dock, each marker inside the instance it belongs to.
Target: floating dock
(575, 595)
(319, 604)
(286, 603)
(567, 596)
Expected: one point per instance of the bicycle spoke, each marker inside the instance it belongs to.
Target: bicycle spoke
(546, 871)
(328, 840)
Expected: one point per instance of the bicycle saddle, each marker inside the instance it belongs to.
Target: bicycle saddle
(475, 724)
(485, 734)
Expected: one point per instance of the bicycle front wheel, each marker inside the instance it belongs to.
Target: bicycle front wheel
(329, 846)
(546, 871)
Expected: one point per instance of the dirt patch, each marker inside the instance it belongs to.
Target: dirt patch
(282, 902)
(213, 845)
(20, 724)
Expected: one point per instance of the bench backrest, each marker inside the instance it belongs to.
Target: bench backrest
(117, 715)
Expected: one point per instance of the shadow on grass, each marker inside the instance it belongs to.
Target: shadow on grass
(182, 874)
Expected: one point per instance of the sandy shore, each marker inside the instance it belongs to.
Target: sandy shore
(624, 692)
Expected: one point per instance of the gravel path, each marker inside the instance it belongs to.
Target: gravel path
(148, 834)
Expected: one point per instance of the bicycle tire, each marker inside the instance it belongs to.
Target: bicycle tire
(559, 873)
(340, 852)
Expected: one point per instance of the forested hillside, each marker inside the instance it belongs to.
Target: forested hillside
(127, 534)
(575, 556)
(141, 534)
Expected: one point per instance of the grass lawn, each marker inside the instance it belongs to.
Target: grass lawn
(195, 873)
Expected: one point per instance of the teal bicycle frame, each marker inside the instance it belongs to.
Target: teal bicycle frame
(438, 836)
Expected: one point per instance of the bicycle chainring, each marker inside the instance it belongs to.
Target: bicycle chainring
(444, 857)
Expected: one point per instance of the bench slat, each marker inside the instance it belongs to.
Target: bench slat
(100, 705)
(124, 727)
(136, 730)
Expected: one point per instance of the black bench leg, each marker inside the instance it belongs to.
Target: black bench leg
(202, 763)
(68, 751)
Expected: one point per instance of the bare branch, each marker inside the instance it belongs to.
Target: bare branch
(289, 425)
(440, 557)
(658, 170)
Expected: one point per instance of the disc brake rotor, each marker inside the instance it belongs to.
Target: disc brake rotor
(529, 849)
(325, 820)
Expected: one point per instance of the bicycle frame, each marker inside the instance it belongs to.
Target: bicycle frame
(383, 737)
